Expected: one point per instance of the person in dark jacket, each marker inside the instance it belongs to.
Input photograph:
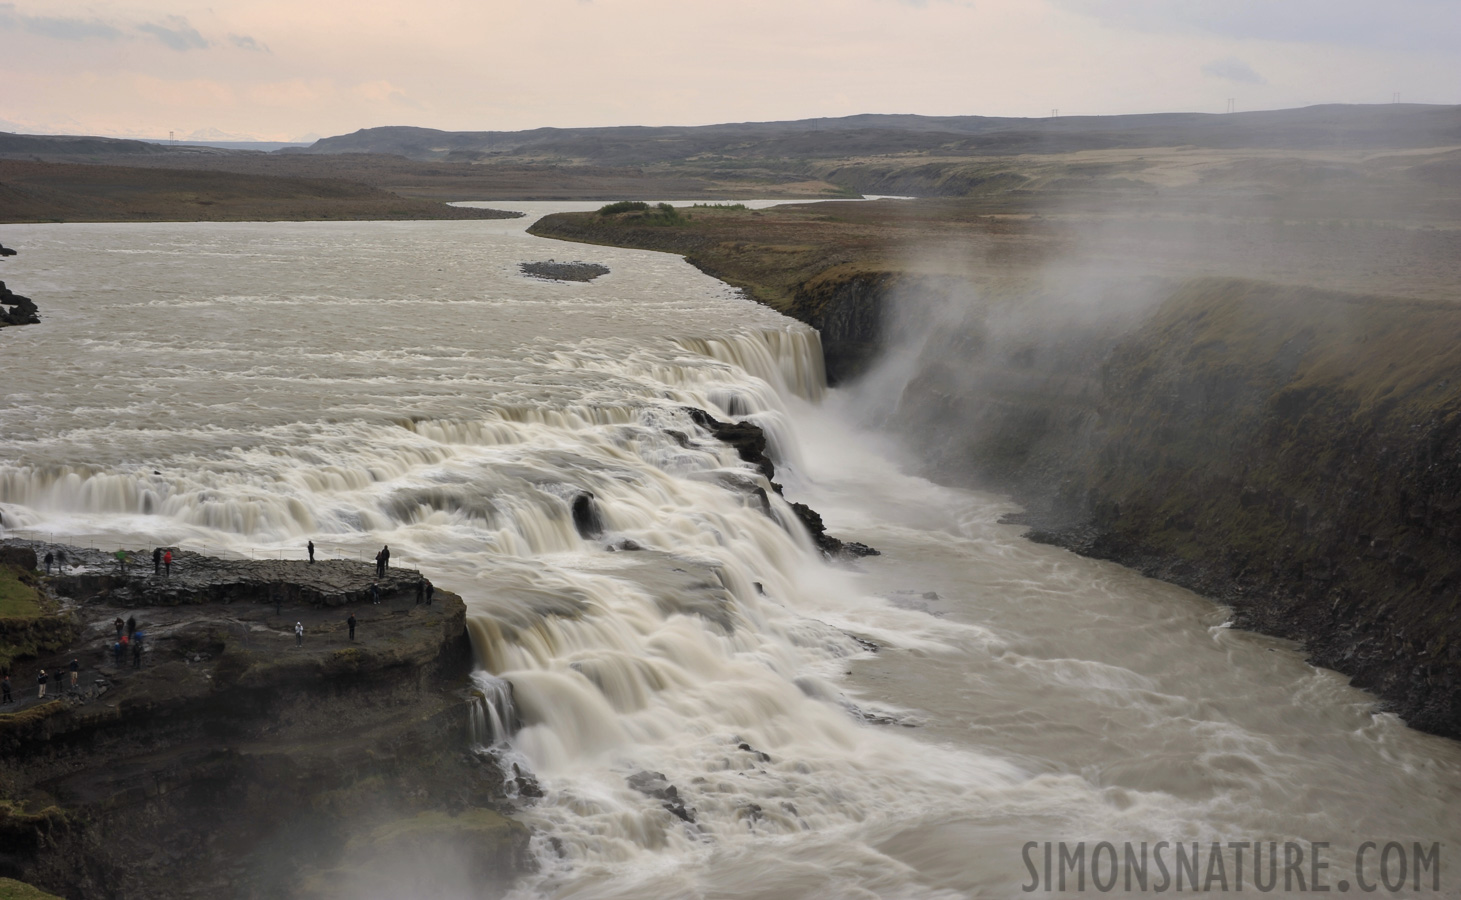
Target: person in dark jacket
(420, 590)
(311, 551)
(5, 690)
(430, 589)
(385, 557)
(50, 558)
(156, 560)
(41, 685)
(351, 622)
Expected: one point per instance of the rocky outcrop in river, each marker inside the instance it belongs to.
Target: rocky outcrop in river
(15, 309)
(551, 270)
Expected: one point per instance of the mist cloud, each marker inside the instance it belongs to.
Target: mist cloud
(1233, 69)
(1397, 24)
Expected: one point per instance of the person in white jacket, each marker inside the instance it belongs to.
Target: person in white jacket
(299, 634)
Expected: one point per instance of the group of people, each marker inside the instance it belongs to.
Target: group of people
(131, 639)
(382, 561)
(56, 558)
(42, 679)
(161, 560)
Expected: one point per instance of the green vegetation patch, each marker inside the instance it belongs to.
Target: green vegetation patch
(18, 600)
(10, 889)
(623, 206)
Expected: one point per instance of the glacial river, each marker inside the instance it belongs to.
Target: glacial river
(914, 725)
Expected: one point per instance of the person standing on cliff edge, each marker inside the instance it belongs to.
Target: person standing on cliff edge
(50, 558)
(311, 551)
(156, 560)
(167, 564)
(385, 558)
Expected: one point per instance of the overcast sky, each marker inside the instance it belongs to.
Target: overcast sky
(293, 69)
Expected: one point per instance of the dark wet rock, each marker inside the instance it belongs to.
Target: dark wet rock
(527, 785)
(830, 546)
(6, 251)
(864, 643)
(15, 309)
(626, 545)
(586, 517)
(747, 438)
(654, 784)
(552, 270)
(760, 756)
(749, 442)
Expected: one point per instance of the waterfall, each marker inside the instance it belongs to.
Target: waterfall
(493, 717)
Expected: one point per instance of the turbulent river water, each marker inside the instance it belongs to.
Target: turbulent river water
(242, 388)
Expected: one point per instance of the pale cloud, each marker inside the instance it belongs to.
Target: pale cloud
(1394, 24)
(59, 27)
(176, 33)
(245, 42)
(1233, 69)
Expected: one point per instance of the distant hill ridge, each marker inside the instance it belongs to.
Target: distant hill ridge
(1386, 126)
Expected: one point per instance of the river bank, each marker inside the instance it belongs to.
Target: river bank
(232, 758)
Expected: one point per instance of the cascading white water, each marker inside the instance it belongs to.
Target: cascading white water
(247, 387)
(493, 714)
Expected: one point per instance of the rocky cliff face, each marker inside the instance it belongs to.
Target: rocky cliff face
(229, 760)
(1294, 453)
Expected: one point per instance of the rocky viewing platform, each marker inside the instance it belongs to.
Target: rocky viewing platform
(563, 271)
(230, 756)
